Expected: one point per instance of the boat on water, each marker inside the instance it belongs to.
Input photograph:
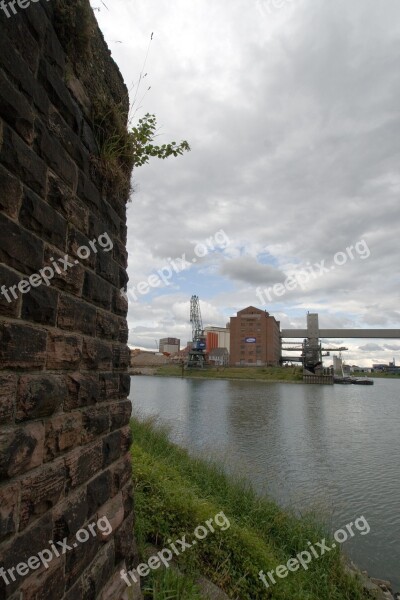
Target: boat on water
(352, 380)
(362, 381)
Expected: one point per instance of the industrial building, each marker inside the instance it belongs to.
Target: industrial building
(218, 337)
(254, 338)
(170, 345)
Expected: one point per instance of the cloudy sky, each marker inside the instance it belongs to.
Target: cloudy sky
(291, 108)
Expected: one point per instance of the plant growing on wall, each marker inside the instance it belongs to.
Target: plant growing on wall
(142, 137)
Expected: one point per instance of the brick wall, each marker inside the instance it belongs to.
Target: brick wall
(64, 413)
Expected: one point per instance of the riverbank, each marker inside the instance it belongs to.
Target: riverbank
(271, 374)
(175, 493)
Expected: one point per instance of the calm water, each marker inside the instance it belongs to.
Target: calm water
(335, 449)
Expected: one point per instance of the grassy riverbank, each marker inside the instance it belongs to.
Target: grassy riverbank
(175, 493)
(272, 374)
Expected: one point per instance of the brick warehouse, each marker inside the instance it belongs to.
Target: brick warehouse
(255, 338)
(64, 412)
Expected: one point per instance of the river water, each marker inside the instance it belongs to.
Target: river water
(331, 449)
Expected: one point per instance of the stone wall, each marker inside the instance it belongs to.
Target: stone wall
(64, 413)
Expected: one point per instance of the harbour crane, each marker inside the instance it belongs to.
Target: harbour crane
(197, 353)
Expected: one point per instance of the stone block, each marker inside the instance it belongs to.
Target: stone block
(39, 396)
(52, 152)
(40, 305)
(63, 432)
(113, 509)
(64, 351)
(76, 315)
(19, 249)
(10, 193)
(42, 219)
(22, 346)
(23, 162)
(9, 306)
(9, 506)
(107, 325)
(83, 464)
(15, 109)
(98, 492)
(70, 515)
(41, 491)
(83, 390)
(96, 355)
(21, 449)
(96, 420)
(69, 277)
(97, 290)
(8, 391)
(62, 199)
(120, 414)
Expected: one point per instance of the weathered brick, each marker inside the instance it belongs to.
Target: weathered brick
(70, 515)
(102, 569)
(79, 558)
(113, 509)
(9, 306)
(78, 247)
(53, 52)
(40, 305)
(122, 278)
(59, 95)
(96, 420)
(22, 346)
(64, 351)
(63, 432)
(121, 356)
(112, 447)
(19, 248)
(51, 151)
(8, 391)
(21, 449)
(119, 303)
(17, 69)
(121, 473)
(83, 390)
(96, 354)
(107, 268)
(120, 414)
(96, 290)
(126, 439)
(23, 162)
(62, 199)
(16, 31)
(68, 139)
(123, 334)
(41, 491)
(127, 498)
(42, 219)
(111, 218)
(39, 396)
(120, 254)
(10, 193)
(76, 315)
(109, 386)
(15, 109)
(71, 277)
(45, 585)
(21, 548)
(98, 492)
(10, 498)
(126, 548)
(124, 384)
(83, 463)
(107, 325)
(89, 194)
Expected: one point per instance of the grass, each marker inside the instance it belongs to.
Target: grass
(174, 493)
(255, 373)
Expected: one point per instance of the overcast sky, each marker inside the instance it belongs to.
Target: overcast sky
(291, 108)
